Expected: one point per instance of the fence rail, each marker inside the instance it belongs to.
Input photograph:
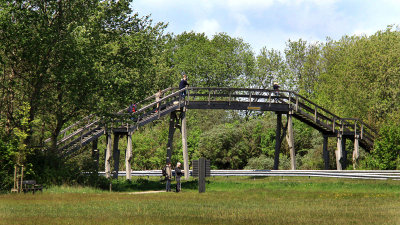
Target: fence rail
(352, 174)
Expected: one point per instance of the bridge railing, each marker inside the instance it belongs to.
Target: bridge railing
(234, 94)
(77, 129)
(298, 103)
(147, 108)
(346, 126)
(150, 107)
(337, 123)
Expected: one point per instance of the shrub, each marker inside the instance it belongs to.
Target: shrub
(385, 155)
(260, 163)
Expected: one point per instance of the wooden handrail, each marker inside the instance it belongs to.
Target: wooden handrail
(298, 102)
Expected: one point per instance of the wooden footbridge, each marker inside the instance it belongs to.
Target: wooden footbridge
(89, 129)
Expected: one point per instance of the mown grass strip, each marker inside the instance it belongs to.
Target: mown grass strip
(226, 201)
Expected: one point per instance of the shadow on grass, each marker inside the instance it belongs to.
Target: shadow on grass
(142, 184)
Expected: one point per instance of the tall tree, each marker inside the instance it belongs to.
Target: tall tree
(270, 67)
(221, 61)
(361, 77)
(304, 63)
(71, 58)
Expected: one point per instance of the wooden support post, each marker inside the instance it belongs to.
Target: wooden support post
(344, 154)
(356, 152)
(128, 156)
(290, 141)
(116, 154)
(184, 144)
(325, 152)
(95, 155)
(339, 152)
(16, 186)
(22, 177)
(15, 179)
(277, 140)
(107, 159)
(172, 128)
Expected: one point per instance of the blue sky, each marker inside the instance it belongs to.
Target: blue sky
(270, 23)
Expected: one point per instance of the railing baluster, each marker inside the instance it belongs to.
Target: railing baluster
(209, 96)
(230, 95)
(315, 114)
(362, 130)
(249, 98)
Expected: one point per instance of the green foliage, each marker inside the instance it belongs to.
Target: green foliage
(231, 145)
(311, 159)
(361, 76)
(260, 163)
(304, 62)
(149, 149)
(222, 61)
(270, 68)
(7, 151)
(385, 155)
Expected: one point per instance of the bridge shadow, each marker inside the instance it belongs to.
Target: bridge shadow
(143, 184)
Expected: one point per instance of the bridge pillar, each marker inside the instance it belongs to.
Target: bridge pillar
(344, 154)
(341, 154)
(172, 127)
(356, 152)
(277, 140)
(184, 144)
(107, 160)
(116, 155)
(128, 156)
(338, 152)
(325, 152)
(290, 141)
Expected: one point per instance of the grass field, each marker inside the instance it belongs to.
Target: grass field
(234, 200)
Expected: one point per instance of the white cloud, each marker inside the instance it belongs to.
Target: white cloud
(271, 23)
(240, 5)
(208, 26)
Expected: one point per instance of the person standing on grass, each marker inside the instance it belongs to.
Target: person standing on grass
(168, 176)
(178, 174)
(183, 84)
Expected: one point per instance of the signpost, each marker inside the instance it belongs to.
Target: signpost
(201, 169)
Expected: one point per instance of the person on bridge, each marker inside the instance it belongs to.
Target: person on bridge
(132, 109)
(158, 97)
(276, 90)
(276, 86)
(168, 176)
(178, 174)
(183, 84)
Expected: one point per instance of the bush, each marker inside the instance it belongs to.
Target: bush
(385, 155)
(260, 163)
(312, 160)
(267, 163)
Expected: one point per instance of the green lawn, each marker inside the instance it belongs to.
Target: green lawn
(234, 200)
